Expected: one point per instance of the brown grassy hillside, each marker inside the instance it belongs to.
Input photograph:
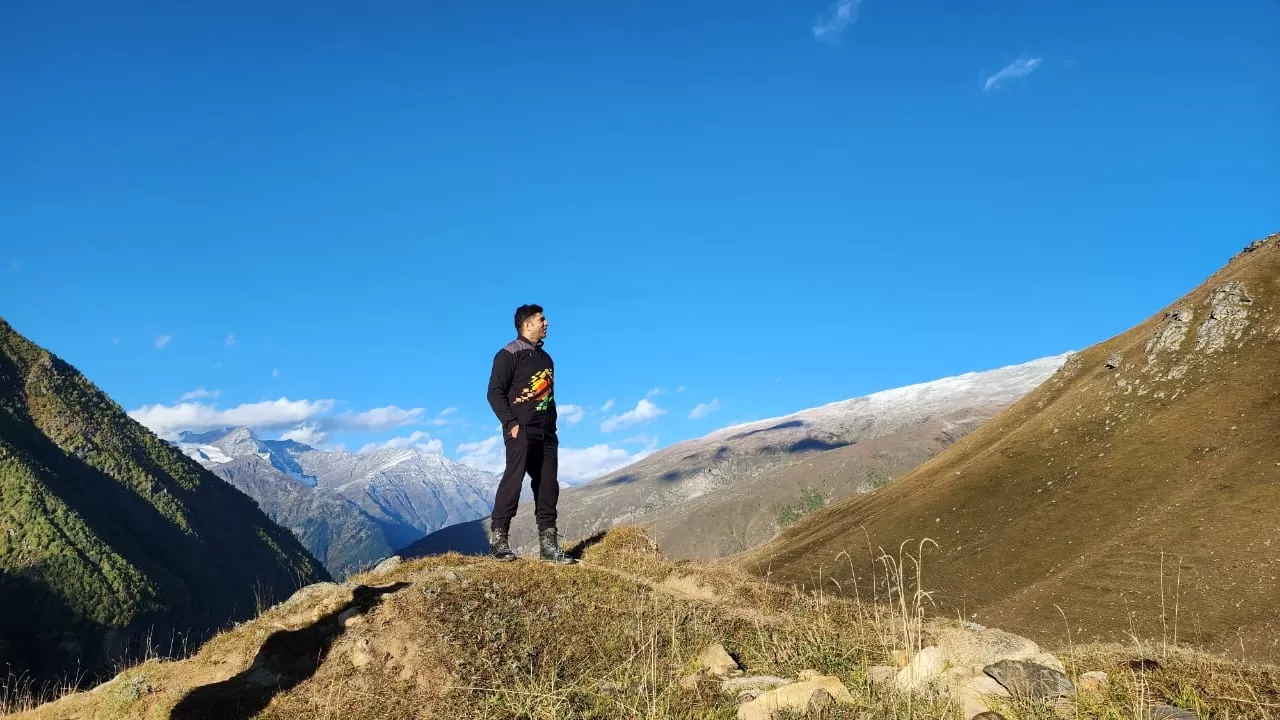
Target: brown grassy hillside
(1149, 463)
(617, 636)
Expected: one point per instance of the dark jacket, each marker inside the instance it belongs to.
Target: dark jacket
(522, 387)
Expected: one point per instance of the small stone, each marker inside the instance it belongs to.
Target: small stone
(360, 657)
(1168, 712)
(767, 682)
(881, 674)
(926, 665)
(1095, 681)
(1030, 681)
(796, 696)
(1049, 661)
(988, 715)
(717, 661)
(964, 647)
(1114, 361)
(387, 565)
(820, 699)
(808, 675)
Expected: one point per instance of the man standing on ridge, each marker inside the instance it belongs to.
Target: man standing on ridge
(522, 395)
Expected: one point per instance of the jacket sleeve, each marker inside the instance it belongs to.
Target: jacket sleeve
(500, 379)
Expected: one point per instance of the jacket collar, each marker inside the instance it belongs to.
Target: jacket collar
(526, 341)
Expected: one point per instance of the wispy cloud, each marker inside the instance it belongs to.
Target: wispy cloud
(275, 372)
(442, 419)
(655, 392)
(570, 415)
(704, 409)
(1019, 68)
(643, 412)
(419, 440)
(199, 394)
(607, 406)
(577, 465)
(309, 434)
(383, 418)
(231, 340)
(115, 341)
(14, 265)
(162, 341)
(168, 420)
(830, 26)
(297, 416)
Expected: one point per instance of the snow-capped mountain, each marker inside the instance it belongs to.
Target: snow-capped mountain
(222, 446)
(726, 491)
(403, 493)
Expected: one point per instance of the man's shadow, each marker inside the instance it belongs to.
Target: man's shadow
(287, 658)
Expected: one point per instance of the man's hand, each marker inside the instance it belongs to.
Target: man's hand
(515, 431)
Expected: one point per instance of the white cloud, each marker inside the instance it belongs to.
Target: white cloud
(607, 406)
(488, 455)
(1021, 67)
(231, 340)
(831, 25)
(704, 409)
(580, 465)
(442, 418)
(656, 391)
(309, 434)
(577, 465)
(570, 414)
(681, 389)
(199, 394)
(419, 440)
(162, 340)
(644, 412)
(168, 420)
(375, 420)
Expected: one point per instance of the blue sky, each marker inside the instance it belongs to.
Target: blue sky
(322, 215)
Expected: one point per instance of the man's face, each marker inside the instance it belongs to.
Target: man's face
(537, 327)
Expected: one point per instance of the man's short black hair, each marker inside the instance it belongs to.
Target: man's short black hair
(524, 312)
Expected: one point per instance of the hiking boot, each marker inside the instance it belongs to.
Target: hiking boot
(500, 546)
(549, 548)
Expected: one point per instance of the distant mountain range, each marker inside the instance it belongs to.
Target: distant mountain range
(1135, 495)
(349, 509)
(736, 487)
(110, 539)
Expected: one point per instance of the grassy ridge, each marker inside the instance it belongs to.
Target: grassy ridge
(110, 539)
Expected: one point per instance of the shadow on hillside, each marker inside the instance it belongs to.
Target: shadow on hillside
(468, 538)
(287, 658)
(816, 445)
(622, 479)
(133, 529)
(44, 640)
(771, 428)
(576, 550)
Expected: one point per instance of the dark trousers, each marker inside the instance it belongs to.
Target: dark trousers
(535, 452)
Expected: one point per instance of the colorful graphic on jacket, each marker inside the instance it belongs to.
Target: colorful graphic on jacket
(539, 389)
